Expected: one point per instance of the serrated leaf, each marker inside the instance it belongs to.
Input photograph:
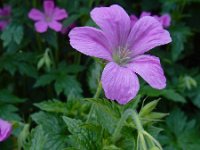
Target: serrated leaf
(107, 113)
(84, 137)
(54, 105)
(44, 80)
(38, 139)
(73, 124)
(69, 85)
(106, 105)
(9, 112)
(182, 129)
(53, 128)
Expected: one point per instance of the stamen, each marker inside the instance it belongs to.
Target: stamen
(122, 56)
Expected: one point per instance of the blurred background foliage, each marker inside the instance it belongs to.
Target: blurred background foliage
(43, 81)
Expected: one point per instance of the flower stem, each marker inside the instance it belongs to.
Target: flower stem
(120, 124)
(137, 121)
(39, 42)
(97, 94)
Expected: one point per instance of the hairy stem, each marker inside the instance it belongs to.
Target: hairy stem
(120, 124)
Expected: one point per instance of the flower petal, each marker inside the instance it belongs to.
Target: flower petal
(49, 7)
(114, 21)
(5, 11)
(149, 68)
(145, 13)
(55, 25)
(165, 20)
(90, 41)
(6, 129)
(134, 19)
(41, 26)
(147, 33)
(36, 15)
(60, 14)
(3, 25)
(119, 83)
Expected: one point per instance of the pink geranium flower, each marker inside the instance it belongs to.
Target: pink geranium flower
(123, 46)
(5, 14)
(50, 18)
(165, 19)
(5, 130)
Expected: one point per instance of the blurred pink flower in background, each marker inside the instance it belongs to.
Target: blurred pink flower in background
(5, 130)
(5, 14)
(49, 18)
(123, 46)
(165, 19)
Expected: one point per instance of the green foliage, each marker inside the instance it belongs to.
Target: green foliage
(86, 137)
(8, 110)
(63, 81)
(46, 86)
(182, 130)
(50, 129)
(170, 94)
(179, 35)
(55, 106)
(12, 35)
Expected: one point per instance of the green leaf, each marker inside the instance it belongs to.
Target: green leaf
(179, 36)
(84, 137)
(53, 130)
(71, 19)
(184, 132)
(69, 85)
(7, 36)
(19, 61)
(7, 97)
(106, 105)
(18, 36)
(13, 33)
(73, 124)
(38, 139)
(148, 108)
(172, 95)
(51, 38)
(54, 105)
(9, 112)
(44, 80)
(107, 113)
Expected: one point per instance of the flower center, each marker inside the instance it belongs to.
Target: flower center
(122, 56)
(48, 18)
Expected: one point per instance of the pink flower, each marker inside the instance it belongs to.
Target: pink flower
(165, 19)
(49, 18)
(123, 46)
(5, 14)
(5, 130)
